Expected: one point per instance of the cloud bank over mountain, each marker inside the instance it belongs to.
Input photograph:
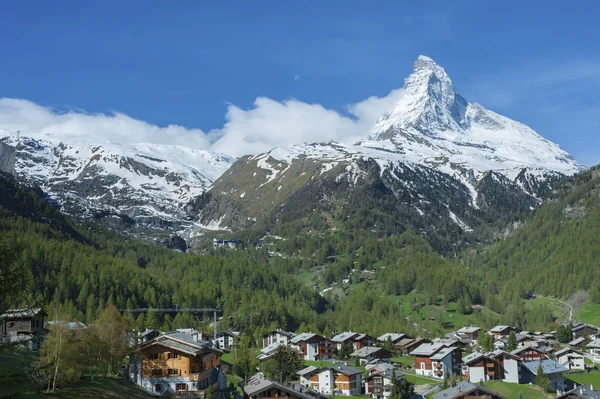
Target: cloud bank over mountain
(267, 124)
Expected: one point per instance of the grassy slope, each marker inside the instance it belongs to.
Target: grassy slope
(511, 390)
(589, 312)
(591, 378)
(108, 388)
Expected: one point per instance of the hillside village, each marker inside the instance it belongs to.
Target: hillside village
(465, 363)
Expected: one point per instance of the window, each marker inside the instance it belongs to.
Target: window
(156, 371)
(422, 366)
(173, 356)
(181, 387)
(154, 356)
(158, 388)
(173, 372)
(11, 324)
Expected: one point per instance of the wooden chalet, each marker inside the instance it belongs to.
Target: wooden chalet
(175, 363)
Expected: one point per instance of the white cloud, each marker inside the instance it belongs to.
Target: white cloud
(267, 124)
(271, 123)
(35, 120)
(296, 78)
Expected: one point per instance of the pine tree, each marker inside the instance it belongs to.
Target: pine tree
(486, 342)
(512, 341)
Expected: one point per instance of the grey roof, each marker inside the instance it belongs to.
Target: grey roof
(549, 366)
(20, 313)
(307, 370)
(302, 337)
(594, 344)
(366, 351)
(469, 330)
(345, 336)
(280, 331)
(499, 329)
(582, 392)
(564, 351)
(187, 338)
(442, 353)
(471, 357)
(147, 332)
(578, 327)
(576, 341)
(462, 389)
(427, 349)
(393, 336)
(345, 370)
(259, 383)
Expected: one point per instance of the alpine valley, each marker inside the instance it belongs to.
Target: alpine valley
(448, 169)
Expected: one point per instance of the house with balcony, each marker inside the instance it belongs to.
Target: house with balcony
(594, 348)
(367, 354)
(23, 326)
(570, 358)
(552, 370)
(529, 353)
(395, 338)
(277, 337)
(502, 332)
(437, 360)
(175, 364)
(226, 339)
(582, 330)
(378, 383)
(493, 366)
(472, 332)
(313, 346)
(356, 340)
(339, 379)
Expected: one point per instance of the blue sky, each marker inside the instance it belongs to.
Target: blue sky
(183, 62)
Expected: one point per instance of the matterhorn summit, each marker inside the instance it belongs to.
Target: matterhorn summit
(433, 125)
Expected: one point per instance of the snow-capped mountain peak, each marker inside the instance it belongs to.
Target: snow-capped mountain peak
(432, 121)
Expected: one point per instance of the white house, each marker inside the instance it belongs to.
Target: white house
(339, 379)
(226, 339)
(277, 337)
(570, 358)
(378, 384)
(493, 366)
(312, 346)
(594, 348)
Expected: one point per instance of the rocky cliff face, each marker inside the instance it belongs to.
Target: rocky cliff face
(143, 187)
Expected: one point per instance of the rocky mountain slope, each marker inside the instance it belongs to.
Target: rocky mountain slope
(434, 163)
(144, 186)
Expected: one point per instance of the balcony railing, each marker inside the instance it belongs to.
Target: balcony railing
(199, 376)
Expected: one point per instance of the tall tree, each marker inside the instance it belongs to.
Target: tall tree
(512, 341)
(112, 330)
(288, 362)
(486, 342)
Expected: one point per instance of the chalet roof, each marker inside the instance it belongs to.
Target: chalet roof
(594, 344)
(345, 370)
(462, 389)
(307, 370)
(581, 326)
(549, 366)
(147, 332)
(581, 392)
(518, 351)
(345, 336)
(469, 330)
(303, 337)
(234, 334)
(428, 349)
(499, 329)
(443, 353)
(500, 353)
(179, 341)
(564, 351)
(259, 383)
(366, 351)
(20, 313)
(393, 336)
(188, 339)
(280, 331)
(473, 356)
(577, 341)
